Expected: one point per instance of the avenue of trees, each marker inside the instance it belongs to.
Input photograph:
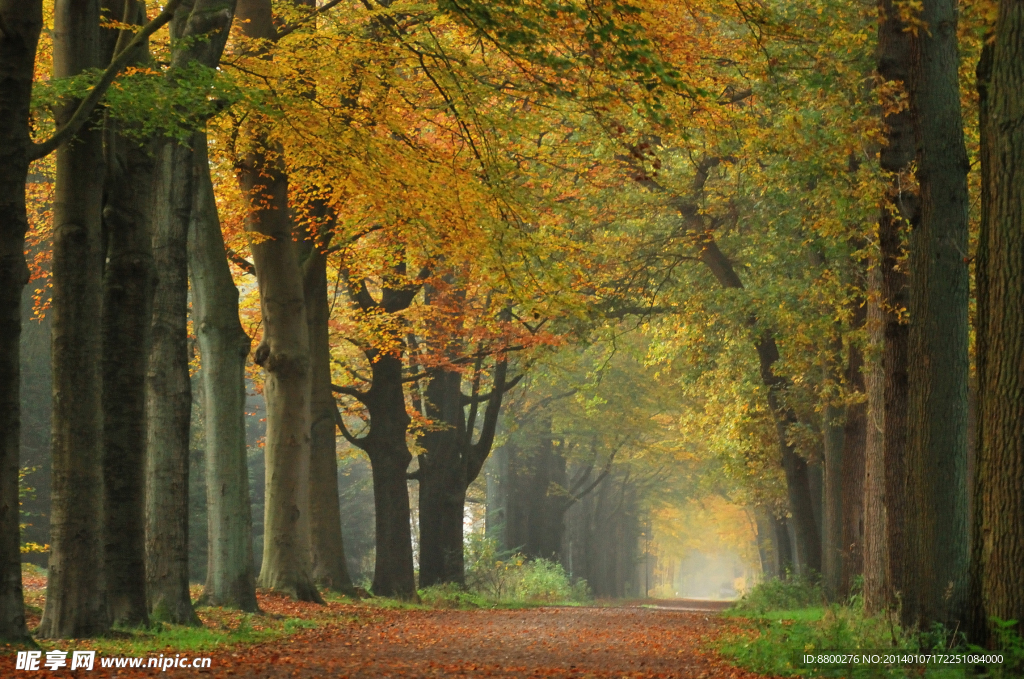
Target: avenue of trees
(579, 263)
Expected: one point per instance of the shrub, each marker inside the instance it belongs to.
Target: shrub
(509, 577)
(780, 595)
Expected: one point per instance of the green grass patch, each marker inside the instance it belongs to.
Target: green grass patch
(775, 640)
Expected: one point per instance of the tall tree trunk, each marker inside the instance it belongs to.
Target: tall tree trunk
(442, 483)
(854, 440)
(787, 561)
(833, 425)
(938, 363)
(127, 309)
(169, 395)
(22, 21)
(389, 455)
(284, 355)
(284, 350)
(329, 566)
(128, 281)
(875, 549)
(74, 595)
(451, 462)
(899, 212)
(999, 485)
(385, 443)
(767, 548)
(223, 347)
(199, 30)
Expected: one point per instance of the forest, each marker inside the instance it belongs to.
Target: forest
(325, 298)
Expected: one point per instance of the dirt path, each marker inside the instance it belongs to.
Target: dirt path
(594, 642)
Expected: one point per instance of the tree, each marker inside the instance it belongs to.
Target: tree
(22, 23)
(385, 441)
(224, 348)
(128, 280)
(938, 363)
(329, 567)
(899, 211)
(74, 595)
(998, 542)
(451, 461)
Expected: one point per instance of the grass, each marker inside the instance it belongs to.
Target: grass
(529, 584)
(221, 628)
(780, 622)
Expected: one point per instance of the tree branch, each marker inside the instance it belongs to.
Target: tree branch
(350, 391)
(467, 400)
(312, 15)
(88, 105)
(340, 421)
(243, 263)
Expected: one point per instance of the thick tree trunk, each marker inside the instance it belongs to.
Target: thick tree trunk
(169, 395)
(128, 281)
(999, 470)
(442, 483)
(898, 214)
(223, 348)
(284, 351)
(284, 355)
(389, 458)
(22, 21)
(875, 551)
(127, 309)
(74, 596)
(452, 462)
(200, 31)
(938, 363)
(806, 552)
(329, 567)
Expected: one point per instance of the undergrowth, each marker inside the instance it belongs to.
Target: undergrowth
(784, 621)
(497, 579)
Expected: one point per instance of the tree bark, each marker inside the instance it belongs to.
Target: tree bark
(451, 463)
(199, 29)
(386, 446)
(999, 472)
(328, 563)
(833, 427)
(853, 468)
(74, 595)
(169, 395)
(898, 214)
(767, 547)
(442, 483)
(128, 281)
(22, 21)
(127, 309)
(875, 549)
(223, 348)
(284, 350)
(385, 442)
(938, 362)
(284, 355)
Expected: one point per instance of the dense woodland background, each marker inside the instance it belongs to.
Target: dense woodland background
(306, 295)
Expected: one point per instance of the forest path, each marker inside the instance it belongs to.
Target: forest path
(577, 642)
